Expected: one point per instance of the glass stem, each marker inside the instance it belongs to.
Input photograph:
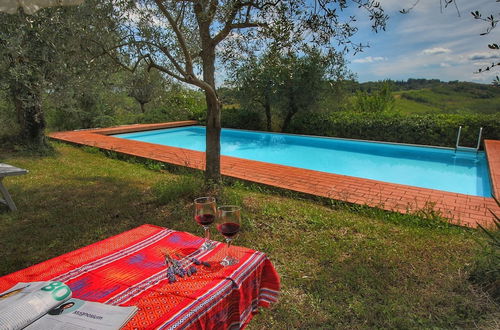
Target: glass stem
(207, 233)
(228, 245)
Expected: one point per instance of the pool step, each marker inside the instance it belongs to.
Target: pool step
(465, 149)
(466, 155)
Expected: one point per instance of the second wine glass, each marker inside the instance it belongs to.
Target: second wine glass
(228, 224)
(204, 214)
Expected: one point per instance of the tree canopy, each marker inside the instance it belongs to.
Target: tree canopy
(188, 39)
(288, 82)
(41, 52)
(144, 85)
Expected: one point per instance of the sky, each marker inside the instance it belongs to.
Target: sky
(428, 43)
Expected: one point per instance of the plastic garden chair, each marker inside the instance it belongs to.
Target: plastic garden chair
(9, 170)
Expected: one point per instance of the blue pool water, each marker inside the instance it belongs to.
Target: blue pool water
(427, 167)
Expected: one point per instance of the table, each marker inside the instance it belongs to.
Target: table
(128, 270)
(8, 170)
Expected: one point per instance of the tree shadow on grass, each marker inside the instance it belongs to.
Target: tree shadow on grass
(57, 218)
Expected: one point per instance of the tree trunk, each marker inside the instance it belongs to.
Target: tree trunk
(292, 110)
(267, 106)
(34, 119)
(287, 120)
(28, 103)
(212, 151)
(143, 109)
(19, 108)
(212, 157)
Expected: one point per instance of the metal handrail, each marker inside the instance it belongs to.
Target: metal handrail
(458, 137)
(457, 145)
(479, 138)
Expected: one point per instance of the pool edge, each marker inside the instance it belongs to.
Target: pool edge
(492, 149)
(460, 209)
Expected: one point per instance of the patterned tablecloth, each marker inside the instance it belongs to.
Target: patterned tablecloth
(129, 270)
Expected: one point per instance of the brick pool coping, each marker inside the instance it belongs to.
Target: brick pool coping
(459, 209)
(492, 148)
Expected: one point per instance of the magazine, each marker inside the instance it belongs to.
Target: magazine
(49, 305)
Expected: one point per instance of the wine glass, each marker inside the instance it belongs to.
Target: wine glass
(228, 224)
(204, 214)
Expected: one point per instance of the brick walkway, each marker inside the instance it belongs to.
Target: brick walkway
(460, 209)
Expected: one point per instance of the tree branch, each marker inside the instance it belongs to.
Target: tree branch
(248, 25)
(229, 25)
(107, 51)
(152, 64)
(212, 9)
(189, 78)
(167, 53)
(163, 49)
(179, 35)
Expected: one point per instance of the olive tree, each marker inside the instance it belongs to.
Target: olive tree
(256, 80)
(302, 82)
(288, 82)
(144, 85)
(39, 52)
(191, 39)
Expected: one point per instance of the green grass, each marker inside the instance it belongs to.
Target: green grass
(340, 266)
(406, 106)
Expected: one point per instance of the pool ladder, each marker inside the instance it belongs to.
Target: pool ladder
(461, 148)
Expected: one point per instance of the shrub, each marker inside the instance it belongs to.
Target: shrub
(164, 114)
(440, 130)
(175, 105)
(381, 100)
(241, 118)
(87, 110)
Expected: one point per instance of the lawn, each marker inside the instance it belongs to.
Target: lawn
(341, 266)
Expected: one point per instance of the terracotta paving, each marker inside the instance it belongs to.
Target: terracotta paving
(493, 154)
(460, 209)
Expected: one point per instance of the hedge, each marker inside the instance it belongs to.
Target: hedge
(439, 130)
(235, 117)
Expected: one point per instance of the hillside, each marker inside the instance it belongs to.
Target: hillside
(447, 100)
(433, 96)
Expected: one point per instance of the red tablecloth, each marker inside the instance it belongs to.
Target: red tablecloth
(128, 270)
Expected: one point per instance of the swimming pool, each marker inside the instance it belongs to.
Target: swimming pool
(426, 167)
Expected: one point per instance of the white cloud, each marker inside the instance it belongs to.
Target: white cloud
(456, 67)
(397, 5)
(428, 43)
(436, 51)
(479, 64)
(483, 56)
(370, 59)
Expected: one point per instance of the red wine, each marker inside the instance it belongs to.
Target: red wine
(205, 219)
(228, 229)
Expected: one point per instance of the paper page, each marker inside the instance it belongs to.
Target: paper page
(76, 314)
(26, 302)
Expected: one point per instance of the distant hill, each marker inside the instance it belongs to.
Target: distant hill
(435, 96)
(414, 96)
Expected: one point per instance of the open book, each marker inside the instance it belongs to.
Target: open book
(48, 305)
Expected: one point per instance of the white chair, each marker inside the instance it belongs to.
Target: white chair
(8, 170)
